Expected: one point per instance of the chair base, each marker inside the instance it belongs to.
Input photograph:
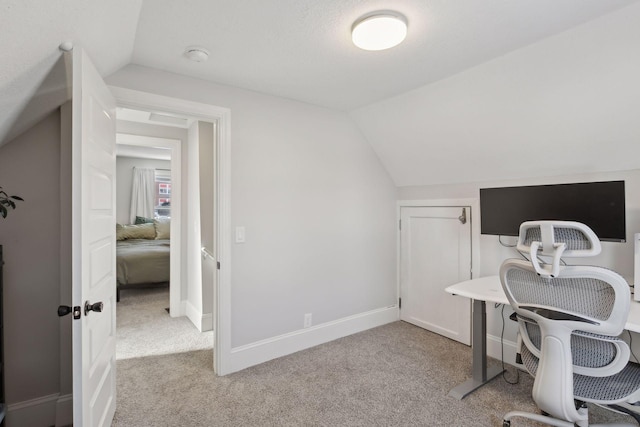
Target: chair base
(506, 421)
(625, 410)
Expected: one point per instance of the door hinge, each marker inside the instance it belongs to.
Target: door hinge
(400, 224)
(399, 303)
(218, 264)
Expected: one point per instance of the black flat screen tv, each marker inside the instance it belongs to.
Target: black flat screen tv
(600, 205)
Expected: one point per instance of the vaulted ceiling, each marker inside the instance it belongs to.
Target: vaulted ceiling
(302, 49)
(297, 49)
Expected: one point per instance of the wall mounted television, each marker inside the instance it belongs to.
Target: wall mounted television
(600, 205)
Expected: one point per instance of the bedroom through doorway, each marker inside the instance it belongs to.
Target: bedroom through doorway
(161, 285)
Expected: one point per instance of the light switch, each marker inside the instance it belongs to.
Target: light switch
(240, 235)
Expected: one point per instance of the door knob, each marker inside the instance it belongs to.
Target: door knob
(63, 310)
(97, 306)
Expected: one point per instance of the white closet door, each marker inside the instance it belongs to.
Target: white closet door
(435, 252)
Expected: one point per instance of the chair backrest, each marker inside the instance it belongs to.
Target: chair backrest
(555, 301)
(556, 239)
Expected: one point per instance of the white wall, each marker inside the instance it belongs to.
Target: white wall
(565, 105)
(194, 286)
(199, 301)
(124, 181)
(206, 174)
(318, 207)
(617, 256)
(30, 168)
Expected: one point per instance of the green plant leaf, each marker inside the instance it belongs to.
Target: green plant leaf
(7, 202)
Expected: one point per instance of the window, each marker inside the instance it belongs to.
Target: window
(164, 188)
(163, 193)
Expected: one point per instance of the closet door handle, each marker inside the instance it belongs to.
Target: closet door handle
(463, 218)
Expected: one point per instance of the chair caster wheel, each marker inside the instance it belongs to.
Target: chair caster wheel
(506, 423)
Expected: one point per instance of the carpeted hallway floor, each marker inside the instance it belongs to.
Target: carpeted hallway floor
(394, 375)
(144, 328)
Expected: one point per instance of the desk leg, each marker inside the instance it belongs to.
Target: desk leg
(480, 374)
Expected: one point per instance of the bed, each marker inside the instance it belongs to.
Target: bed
(142, 257)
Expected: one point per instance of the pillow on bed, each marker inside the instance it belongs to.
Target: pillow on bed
(163, 228)
(139, 231)
(143, 220)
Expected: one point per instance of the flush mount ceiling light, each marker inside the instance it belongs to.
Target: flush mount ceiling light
(379, 30)
(196, 53)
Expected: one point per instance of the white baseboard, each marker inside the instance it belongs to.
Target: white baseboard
(262, 351)
(207, 322)
(42, 411)
(204, 322)
(193, 314)
(494, 350)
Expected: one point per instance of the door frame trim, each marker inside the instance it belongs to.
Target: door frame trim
(222, 286)
(474, 207)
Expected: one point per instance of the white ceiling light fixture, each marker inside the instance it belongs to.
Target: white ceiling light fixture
(379, 30)
(196, 53)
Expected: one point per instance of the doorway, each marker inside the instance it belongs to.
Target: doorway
(95, 103)
(435, 252)
(159, 150)
(220, 117)
(163, 196)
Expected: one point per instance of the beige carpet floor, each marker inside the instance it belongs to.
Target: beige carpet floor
(394, 375)
(144, 328)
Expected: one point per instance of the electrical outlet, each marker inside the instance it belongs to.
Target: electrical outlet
(307, 320)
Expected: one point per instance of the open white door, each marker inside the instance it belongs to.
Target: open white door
(93, 240)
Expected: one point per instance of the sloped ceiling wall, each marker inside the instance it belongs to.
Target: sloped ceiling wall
(30, 33)
(569, 99)
(567, 104)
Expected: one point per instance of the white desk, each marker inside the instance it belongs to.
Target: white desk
(489, 289)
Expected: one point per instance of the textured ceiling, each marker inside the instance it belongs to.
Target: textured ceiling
(297, 49)
(301, 49)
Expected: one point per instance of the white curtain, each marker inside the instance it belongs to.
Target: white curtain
(143, 193)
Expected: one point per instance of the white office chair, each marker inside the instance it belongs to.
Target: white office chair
(569, 318)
